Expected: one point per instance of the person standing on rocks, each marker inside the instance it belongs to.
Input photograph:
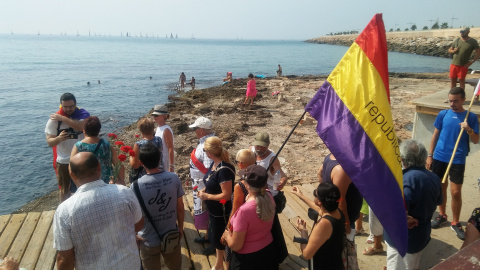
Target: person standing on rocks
(164, 131)
(199, 164)
(182, 80)
(447, 128)
(461, 49)
(64, 128)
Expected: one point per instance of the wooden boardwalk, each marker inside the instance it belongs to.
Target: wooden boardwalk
(29, 237)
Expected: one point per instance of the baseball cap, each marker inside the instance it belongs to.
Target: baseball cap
(262, 139)
(160, 110)
(202, 122)
(465, 29)
(256, 176)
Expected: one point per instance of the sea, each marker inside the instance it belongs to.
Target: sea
(128, 76)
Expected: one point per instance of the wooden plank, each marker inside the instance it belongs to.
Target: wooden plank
(467, 258)
(293, 248)
(297, 205)
(289, 212)
(186, 261)
(307, 190)
(199, 260)
(48, 256)
(10, 232)
(3, 222)
(24, 236)
(35, 246)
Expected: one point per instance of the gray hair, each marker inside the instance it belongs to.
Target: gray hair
(413, 153)
(265, 207)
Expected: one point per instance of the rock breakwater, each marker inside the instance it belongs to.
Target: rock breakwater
(422, 43)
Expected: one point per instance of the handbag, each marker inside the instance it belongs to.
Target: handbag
(170, 240)
(349, 254)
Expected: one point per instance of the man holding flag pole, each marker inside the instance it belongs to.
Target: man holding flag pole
(448, 159)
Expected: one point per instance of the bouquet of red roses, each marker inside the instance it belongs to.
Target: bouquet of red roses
(123, 150)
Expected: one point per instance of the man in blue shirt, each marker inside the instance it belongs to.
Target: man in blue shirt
(422, 194)
(447, 128)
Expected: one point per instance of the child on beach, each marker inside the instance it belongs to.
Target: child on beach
(251, 90)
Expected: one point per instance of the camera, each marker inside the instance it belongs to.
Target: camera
(72, 134)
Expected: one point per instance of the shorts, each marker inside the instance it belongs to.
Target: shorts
(63, 178)
(475, 218)
(459, 72)
(456, 172)
(201, 221)
(216, 228)
(151, 259)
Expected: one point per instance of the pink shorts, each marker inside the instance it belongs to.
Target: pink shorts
(459, 72)
(201, 221)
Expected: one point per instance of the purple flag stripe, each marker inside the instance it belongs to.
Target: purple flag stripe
(356, 153)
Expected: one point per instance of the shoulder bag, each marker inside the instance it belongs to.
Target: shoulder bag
(170, 240)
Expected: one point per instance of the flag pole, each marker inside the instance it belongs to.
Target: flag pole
(444, 180)
(288, 137)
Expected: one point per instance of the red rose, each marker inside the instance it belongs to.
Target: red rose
(223, 201)
(131, 153)
(125, 148)
(112, 136)
(137, 136)
(195, 188)
(119, 143)
(122, 157)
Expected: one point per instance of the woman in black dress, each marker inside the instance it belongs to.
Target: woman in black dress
(217, 194)
(325, 243)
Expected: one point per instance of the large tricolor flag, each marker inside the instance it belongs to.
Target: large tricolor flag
(355, 122)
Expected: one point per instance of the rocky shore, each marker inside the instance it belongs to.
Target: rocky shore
(236, 125)
(429, 43)
(303, 153)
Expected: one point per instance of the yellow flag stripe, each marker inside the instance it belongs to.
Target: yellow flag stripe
(361, 88)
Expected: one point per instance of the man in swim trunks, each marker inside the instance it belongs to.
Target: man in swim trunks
(461, 49)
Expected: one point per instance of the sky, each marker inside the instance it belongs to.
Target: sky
(225, 19)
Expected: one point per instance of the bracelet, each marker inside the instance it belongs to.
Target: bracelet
(470, 132)
(430, 154)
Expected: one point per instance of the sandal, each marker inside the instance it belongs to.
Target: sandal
(361, 231)
(372, 251)
(370, 239)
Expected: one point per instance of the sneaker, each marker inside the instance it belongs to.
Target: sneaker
(458, 230)
(439, 220)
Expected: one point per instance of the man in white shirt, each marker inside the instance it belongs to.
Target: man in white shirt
(64, 128)
(96, 227)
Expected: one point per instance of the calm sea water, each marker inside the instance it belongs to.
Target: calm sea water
(36, 70)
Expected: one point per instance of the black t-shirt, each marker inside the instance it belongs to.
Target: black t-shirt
(212, 181)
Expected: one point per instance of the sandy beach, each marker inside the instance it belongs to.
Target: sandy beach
(305, 151)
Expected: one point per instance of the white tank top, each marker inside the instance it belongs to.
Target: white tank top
(165, 156)
(264, 163)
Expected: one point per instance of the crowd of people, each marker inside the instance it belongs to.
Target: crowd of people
(105, 224)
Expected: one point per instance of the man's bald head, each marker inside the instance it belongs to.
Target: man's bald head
(84, 167)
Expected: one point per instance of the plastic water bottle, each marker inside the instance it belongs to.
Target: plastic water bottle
(276, 180)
